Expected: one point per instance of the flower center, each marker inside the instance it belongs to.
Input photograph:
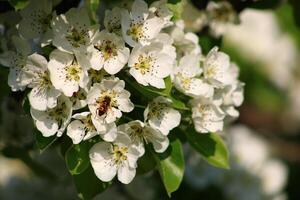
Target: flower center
(135, 31)
(156, 110)
(144, 64)
(96, 75)
(205, 110)
(186, 82)
(107, 48)
(77, 37)
(210, 72)
(73, 72)
(119, 154)
(58, 113)
(88, 124)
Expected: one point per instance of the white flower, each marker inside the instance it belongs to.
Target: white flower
(273, 176)
(187, 80)
(140, 133)
(112, 21)
(65, 73)
(43, 95)
(96, 76)
(78, 99)
(216, 68)
(161, 116)
(248, 150)
(36, 19)
(107, 100)
(161, 10)
(185, 43)
(232, 96)
(82, 128)
(207, 115)
(167, 42)
(110, 52)
(137, 27)
(119, 158)
(220, 15)
(18, 77)
(53, 121)
(72, 31)
(149, 65)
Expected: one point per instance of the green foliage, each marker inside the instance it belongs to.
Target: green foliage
(151, 92)
(18, 4)
(42, 142)
(77, 158)
(176, 6)
(92, 7)
(171, 166)
(296, 7)
(88, 185)
(146, 163)
(210, 146)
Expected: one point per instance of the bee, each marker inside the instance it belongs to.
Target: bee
(103, 106)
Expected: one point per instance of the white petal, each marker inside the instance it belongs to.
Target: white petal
(76, 131)
(126, 173)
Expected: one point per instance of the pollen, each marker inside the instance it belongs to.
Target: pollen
(108, 49)
(73, 72)
(135, 31)
(77, 37)
(144, 64)
(119, 154)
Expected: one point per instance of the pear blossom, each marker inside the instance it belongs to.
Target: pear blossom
(43, 94)
(112, 21)
(216, 68)
(18, 77)
(207, 115)
(96, 76)
(185, 43)
(55, 120)
(161, 10)
(110, 52)
(78, 99)
(82, 128)
(187, 78)
(65, 73)
(220, 15)
(140, 132)
(72, 31)
(106, 101)
(36, 20)
(161, 116)
(149, 64)
(117, 158)
(137, 27)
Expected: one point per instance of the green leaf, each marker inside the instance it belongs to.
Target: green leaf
(92, 6)
(42, 142)
(177, 104)
(296, 7)
(151, 92)
(88, 185)
(176, 7)
(18, 4)
(210, 146)
(77, 158)
(174, 1)
(146, 163)
(171, 166)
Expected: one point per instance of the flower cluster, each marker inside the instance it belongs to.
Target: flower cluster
(81, 87)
